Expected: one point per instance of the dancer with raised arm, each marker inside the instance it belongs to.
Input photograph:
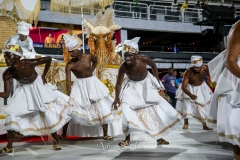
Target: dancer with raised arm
(34, 109)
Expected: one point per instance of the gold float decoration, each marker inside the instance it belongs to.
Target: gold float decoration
(100, 32)
(53, 74)
(22, 11)
(109, 85)
(75, 6)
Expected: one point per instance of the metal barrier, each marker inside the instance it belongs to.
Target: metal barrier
(189, 1)
(181, 49)
(131, 10)
(168, 13)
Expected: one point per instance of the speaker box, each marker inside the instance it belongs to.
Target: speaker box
(211, 11)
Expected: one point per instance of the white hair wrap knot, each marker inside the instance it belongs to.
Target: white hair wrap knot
(23, 28)
(71, 42)
(196, 61)
(131, 45)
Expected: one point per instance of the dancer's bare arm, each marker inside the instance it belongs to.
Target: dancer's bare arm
(68, 78)
(152, 64)
(185, 84)
(119, 82)
(206, 70)
(233, 50)
(6, 80)
(94, 62)
(45, 60)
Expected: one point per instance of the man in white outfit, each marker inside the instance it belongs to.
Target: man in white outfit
(90, 102)
(193, 95)
(144, 110)
(22, 37)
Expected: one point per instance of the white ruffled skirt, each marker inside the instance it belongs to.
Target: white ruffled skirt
(91, 106)
(145, 110)
(224, 111)
(35, 109)
(194, 108)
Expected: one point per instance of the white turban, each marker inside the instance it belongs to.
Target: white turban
(131, 45)
(23, 28)
(196, 61)
(71, 42)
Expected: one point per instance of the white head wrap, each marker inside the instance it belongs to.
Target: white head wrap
(23, 28)
(131, 45)
(196, 61)
(71, 42)
(13, 48)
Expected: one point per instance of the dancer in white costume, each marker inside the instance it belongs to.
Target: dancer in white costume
(193, 95)
(142, 106)
(225, 107)
(90, 101)
(22, 38)
(34, 108)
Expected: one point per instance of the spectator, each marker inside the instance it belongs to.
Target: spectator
(175, 81)
(178, 81)
(49, 39)
(174, 6)
(198, 5)
(203, 3)
(136, 8)
(170, 88)
(174, 11)
(61, 41)
(175, 49)
(184, 5)
(234, 9)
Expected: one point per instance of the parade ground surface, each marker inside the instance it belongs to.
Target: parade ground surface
(193, 144)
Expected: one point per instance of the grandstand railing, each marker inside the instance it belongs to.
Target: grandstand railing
(192, 1)
(157, 12)
(180, 49)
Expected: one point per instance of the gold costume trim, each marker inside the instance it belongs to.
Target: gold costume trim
(211, 120)
(167, 127)
(229, 136)
(95, 119)
(129, 122)
(160, 132)
(39, 129)
(3, 116)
